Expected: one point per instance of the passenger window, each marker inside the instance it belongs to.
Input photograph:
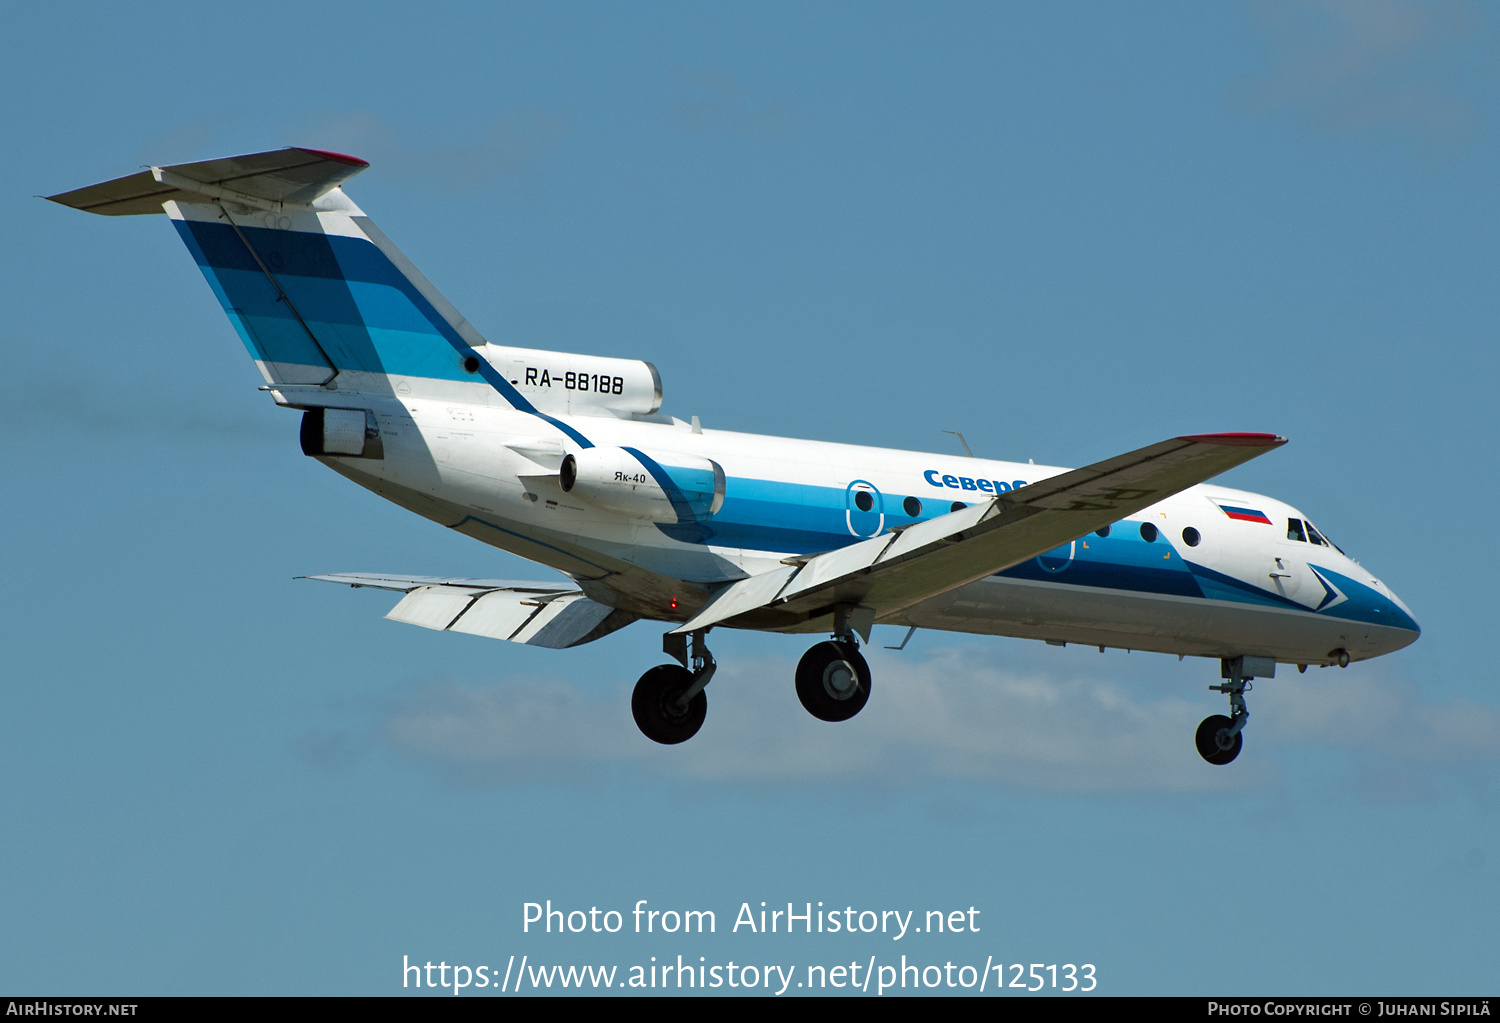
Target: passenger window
(1148, 532)
(1294, 530)
(1103, 532)
(1314, 536)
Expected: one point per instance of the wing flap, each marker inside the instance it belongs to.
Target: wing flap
(563, 622)
(537, 614)
(433, 607)
(948, 528)
(825, 568)
(498, 615)
(742, 596)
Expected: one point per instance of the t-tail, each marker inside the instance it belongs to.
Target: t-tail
(326, 304)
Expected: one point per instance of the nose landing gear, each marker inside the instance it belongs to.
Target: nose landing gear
(1219, 739)
(669, 704)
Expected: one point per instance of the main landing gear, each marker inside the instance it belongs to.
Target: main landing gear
(833, 680)
(669, 703)
(1219, 738)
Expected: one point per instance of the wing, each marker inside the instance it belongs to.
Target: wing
(539, 614)
(879, 577)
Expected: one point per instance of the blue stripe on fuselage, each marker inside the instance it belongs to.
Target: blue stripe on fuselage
(794, 518)
(1115, 562)
(1365, 604)
(797, 518)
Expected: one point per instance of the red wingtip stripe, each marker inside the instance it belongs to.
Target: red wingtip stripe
(352, 161)
(1259, 440)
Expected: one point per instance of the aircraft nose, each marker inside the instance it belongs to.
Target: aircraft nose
(1410, 622)
(1388, 623)
(1401, 626)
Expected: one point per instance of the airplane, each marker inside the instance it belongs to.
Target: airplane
(568, 461)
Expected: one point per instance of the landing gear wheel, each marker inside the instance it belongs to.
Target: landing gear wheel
(657, 710)
(833, 681)
(1214, 745)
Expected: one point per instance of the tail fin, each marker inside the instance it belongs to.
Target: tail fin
(314, 288)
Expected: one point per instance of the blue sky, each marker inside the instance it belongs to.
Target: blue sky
(1066, 230)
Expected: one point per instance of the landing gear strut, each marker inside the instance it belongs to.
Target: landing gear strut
(833, 680)
(669, 703)
(1219, 738)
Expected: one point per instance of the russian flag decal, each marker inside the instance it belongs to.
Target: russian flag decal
(1244, 514)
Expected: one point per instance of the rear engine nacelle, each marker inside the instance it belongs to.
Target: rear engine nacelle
(352, 433)
(655, 486)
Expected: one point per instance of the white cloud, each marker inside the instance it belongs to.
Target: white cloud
(719, 106)
(58, 401)
(953, 715)
(1383, 70)
(1386, 719)
(509, 147)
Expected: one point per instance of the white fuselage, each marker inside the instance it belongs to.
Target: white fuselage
(1245, 587)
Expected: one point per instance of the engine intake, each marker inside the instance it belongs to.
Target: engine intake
(352, 433)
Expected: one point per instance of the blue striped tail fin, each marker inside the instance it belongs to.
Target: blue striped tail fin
(316, 291)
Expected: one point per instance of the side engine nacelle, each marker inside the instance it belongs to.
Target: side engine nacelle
(656, 486)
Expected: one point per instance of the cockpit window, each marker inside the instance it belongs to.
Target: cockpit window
(1294, 530)
(1320, 538)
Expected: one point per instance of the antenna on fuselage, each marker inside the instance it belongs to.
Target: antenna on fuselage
(961, 441)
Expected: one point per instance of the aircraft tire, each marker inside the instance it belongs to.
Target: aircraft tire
(653, 705)
(833, 681)
(1207, 740)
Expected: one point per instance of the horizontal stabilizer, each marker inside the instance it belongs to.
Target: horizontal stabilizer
(538, 614)
(889, 573)
(407, 583)
(284, 177)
